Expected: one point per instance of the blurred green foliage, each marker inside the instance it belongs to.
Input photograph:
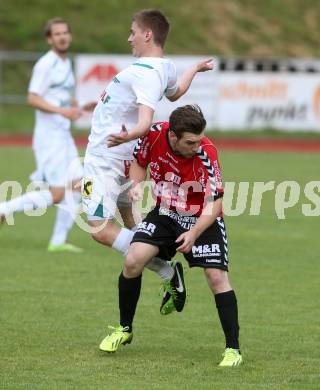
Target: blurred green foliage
(230, 27)
(286, 28)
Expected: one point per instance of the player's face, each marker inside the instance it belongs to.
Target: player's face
(137, 40)
(187, 146)
(60, 38)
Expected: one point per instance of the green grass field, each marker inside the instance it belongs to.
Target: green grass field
(54, 309)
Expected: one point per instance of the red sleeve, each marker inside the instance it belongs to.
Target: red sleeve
(211, 163)
(142, 149)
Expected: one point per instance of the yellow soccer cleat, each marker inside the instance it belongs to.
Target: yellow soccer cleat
(112, 342)
(231, 358)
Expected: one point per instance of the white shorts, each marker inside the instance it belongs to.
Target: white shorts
(105, 186)
(58, 163)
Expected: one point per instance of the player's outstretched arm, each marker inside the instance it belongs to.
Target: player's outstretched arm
(145, 118)
(38, 102)
(187, 77)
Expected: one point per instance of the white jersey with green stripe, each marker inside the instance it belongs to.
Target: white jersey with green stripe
(54, 81)
(145, 81)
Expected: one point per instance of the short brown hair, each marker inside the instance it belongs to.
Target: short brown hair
(156, 22)
(187, 119)
(57, 20)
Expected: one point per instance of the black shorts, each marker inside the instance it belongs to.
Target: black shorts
(162, 227)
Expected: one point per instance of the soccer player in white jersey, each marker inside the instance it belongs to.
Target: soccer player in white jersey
(51, 92)
(123, 114)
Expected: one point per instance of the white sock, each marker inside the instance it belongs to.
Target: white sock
(122, 241)
(29, 201)
(161, 267)
(66, 214)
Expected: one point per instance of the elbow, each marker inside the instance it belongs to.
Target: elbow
(177, 95)
(30, 100)
(174, 97)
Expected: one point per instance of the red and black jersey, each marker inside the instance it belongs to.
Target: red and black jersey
(179, 183)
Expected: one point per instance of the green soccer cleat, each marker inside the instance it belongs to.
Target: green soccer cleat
(64, 248)
(174, 291)
(112, 342)
(167, 305)
(231, 358)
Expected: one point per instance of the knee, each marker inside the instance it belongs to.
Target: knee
(132, 267)
(217, 279)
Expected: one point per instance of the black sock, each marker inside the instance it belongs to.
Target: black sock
(228, 312)
(129, 292)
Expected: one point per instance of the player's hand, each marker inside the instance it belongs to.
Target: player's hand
(135, 193)
(187, 239)
(72, 113)
(203, 66)
(118, 139)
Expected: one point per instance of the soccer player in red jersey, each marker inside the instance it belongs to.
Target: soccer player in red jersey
(187, 218)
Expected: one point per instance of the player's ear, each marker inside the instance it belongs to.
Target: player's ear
(172, 136)
(148, 35)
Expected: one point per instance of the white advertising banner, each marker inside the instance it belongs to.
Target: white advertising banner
(229, 100)
(281, 101)
(93, 73)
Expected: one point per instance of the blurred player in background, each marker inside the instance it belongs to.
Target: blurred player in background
(188, 218)
(123, 114)
(51, 92)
